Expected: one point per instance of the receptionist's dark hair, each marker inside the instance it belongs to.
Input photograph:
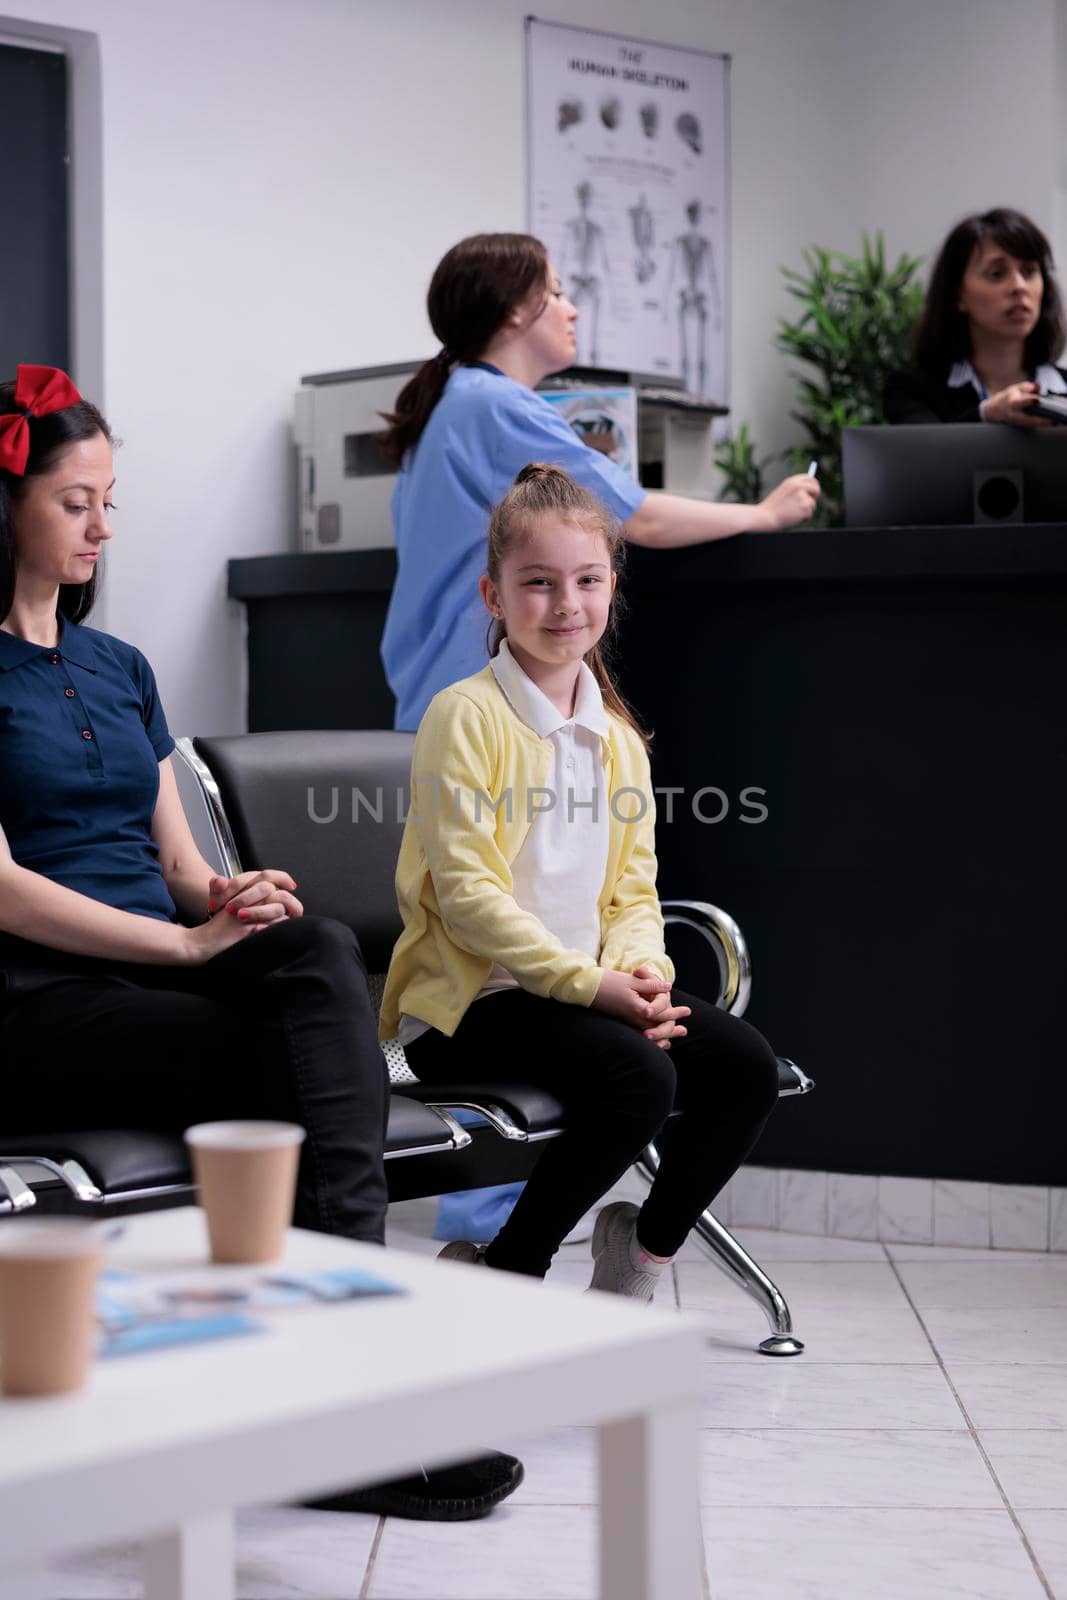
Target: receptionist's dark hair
(943, 335)
(475, 287)
(49, 435)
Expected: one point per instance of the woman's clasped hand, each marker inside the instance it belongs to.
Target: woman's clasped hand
(256, 897)
(239, 906)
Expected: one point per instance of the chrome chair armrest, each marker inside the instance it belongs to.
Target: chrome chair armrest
(727, 943)
(458, 1136)
(218, 821)
(15, 1195)
(792, 1079)
(70, 1173)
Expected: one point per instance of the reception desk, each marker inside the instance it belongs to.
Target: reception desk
(862, 736)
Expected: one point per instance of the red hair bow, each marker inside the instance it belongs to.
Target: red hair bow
(38, 391)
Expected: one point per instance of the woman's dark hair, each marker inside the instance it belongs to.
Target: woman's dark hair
(943, 335)
(474, 289)
(543, 490)
(49, 435)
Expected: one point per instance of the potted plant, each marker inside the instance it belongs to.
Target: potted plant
(854, 325)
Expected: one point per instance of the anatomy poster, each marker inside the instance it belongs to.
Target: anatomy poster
(628, 187)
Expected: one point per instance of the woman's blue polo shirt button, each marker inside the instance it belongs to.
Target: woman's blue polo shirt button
(87, 733)
(54, 659)
(69, 693)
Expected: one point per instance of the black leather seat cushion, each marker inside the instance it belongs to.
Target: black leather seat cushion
(534, 1111)
(412, 1127)
(115, 1158)
(121, 1159)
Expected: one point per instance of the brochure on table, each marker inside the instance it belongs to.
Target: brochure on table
(146, 1311)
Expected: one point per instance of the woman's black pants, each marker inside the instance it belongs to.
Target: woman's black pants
(278, 1026)
(618, 1089)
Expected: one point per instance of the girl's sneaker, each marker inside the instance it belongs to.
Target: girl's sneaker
(614, 1253)
(463, 1250)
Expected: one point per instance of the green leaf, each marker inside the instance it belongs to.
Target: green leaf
(854, 321)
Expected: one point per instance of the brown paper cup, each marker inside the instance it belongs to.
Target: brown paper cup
(246, 1175)
(48, 1271)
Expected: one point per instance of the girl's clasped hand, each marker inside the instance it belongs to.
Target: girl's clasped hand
(642, 998)
(666, 1025)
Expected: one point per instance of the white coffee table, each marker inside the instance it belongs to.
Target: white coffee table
(164, 1447)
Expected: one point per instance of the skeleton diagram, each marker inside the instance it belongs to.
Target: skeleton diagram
(644, 229)
(583, 252)
(692, 255)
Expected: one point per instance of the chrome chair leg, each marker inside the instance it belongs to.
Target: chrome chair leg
(731, 1258)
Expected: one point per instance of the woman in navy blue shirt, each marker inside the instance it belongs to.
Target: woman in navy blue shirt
(112, 1010)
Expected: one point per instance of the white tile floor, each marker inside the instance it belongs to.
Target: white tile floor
(916, 1451)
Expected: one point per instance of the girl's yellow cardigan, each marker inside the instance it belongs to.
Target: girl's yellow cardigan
(478, 777)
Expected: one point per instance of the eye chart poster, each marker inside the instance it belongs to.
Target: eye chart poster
(628, 186)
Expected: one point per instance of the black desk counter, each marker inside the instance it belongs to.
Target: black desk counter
(899, 696)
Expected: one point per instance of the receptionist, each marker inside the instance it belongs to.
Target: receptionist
(991, 329)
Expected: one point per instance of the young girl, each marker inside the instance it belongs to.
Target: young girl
(533, 941)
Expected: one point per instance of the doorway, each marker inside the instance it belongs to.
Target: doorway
(35, 259)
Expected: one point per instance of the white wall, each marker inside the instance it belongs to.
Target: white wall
(280, 177)
(953, 109)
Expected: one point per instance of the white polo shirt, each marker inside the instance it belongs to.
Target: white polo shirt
(559, 871)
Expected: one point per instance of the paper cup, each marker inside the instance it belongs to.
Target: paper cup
(246, 1176)
(48, 1272)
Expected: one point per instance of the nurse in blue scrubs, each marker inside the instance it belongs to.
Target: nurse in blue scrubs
(464, 426)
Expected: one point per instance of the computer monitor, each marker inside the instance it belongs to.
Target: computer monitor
(952, 473)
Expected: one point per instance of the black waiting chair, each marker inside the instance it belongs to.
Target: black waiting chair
(330, 806)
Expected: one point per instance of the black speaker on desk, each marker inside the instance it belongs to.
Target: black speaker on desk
(998, 497)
